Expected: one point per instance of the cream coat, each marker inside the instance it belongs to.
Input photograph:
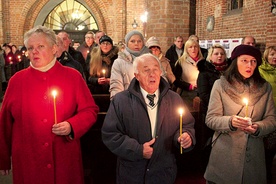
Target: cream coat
(237, 157)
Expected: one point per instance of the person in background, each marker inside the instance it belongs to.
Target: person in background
(154, 46)
(76, 45)
(209, 71)
(3, 76)
(16, 53)
(41, 131)
(186, 72)
(268, 72)
(175, 51)
(144, 131)
(204, 51)
(65, 58)
(237, 155)
(102, 58)
(77, 55)
(86, 47)
(122, 69)
(249, 40)
(10, 62)
(98, 35)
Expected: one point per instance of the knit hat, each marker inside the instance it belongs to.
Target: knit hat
(247, 50)
(131, 33)
(153, 41)
(106, 38)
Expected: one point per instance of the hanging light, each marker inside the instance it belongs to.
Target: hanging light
(134, 24)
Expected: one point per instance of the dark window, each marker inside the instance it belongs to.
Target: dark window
(234, 4)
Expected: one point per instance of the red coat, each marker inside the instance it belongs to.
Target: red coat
(26, 119)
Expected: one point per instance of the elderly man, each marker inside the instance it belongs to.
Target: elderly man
(65, 58)
(142, 127)
(77, 55)
(249, 40)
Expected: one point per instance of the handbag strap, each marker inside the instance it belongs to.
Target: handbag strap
(216, 139)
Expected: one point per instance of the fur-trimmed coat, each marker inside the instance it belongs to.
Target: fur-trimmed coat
(237, 157)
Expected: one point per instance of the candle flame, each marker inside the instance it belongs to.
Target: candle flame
(180, 111)
(103, 71)
(54, 93)
(245, 100)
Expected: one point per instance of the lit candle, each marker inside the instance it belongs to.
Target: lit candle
(88, 52)
(245, 100)
(19, 58)
(180, 126)
(54, 93)
(103, 72)
(10, 58)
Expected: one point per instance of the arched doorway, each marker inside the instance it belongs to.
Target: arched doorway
(72, 17)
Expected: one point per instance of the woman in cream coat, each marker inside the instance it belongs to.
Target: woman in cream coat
(237, 155)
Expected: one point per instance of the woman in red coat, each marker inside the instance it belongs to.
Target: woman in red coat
(39, 132)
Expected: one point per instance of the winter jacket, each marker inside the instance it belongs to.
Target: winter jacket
(237, 157)
(127, 127)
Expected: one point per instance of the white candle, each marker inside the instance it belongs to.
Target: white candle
(245, 100)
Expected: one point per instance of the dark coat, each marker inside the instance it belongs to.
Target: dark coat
(172, 55)
(127, 127)
(77, 55)
(67, 60)
(205, 81)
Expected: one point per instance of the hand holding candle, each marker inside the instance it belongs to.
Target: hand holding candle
(54, 93)
(180, 126)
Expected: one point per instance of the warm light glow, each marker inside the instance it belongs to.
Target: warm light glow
(103, 72)
(76, 14)
(144, 17)
(54, 93)
(181, 111)
(245, 101)
(180, 126)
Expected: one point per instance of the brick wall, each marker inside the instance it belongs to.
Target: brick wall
(253, 19)
(166, 19)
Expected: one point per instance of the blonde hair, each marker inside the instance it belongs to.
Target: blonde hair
(211, 50)
(185, 55)
(95, 62)
(267, 51)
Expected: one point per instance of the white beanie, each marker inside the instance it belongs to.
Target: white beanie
(153, 41)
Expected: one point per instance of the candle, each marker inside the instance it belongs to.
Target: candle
(103, 72)
(180, 126)
(19, 58)
(245, 100)
(54, 93)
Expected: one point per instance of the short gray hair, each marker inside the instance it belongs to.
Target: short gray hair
(48, 33)
(143, 58)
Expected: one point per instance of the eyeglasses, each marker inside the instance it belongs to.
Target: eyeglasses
(106, 43)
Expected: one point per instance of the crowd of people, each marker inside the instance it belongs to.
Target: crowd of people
(146, 88)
